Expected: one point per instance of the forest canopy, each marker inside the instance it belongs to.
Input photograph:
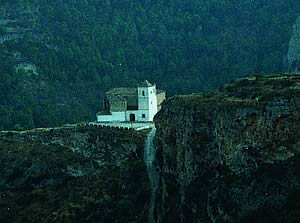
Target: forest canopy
(59, 57)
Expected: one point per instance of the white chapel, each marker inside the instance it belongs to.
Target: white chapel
(138, 104)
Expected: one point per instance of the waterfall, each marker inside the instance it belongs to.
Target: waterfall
(149, 156)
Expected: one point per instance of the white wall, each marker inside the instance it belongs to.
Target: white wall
(138, 115)
(114, 117)
(147, 103)
(152, 105)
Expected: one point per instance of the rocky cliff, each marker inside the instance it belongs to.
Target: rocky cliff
(231, 155)
(73, 174)
(293, 57)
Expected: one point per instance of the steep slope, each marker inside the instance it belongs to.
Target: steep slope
(233, 155)
(57, 58)
(73, 174)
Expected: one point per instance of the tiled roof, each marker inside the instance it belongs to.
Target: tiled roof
(117, 98)
(104, 113)
(122, 92)
(145, 83)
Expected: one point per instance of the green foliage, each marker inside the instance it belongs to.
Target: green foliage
(83, 48)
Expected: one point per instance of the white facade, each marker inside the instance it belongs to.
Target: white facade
(147, 108)
(133, 116)
(114, 117)
(147, 102)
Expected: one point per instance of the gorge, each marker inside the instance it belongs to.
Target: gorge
(230, 155)
(149, 157)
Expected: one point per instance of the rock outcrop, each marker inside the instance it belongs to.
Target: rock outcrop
(231, 155)
(73, 174)
(293, 57)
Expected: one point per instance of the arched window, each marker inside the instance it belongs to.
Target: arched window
(143, 93)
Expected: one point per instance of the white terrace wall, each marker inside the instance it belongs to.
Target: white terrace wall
(114, 117)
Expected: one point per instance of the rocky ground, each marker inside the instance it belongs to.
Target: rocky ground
(232, 155)
(73, 174)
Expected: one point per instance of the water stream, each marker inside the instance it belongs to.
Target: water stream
(149, 156)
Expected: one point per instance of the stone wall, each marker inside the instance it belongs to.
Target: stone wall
(118, 104)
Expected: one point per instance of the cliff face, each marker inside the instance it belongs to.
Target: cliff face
(73, 174)
(232, 155)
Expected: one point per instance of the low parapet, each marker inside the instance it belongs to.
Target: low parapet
(124, 125)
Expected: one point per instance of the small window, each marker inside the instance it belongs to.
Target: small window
(150, 92)
(143, 116)
(143, 93)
